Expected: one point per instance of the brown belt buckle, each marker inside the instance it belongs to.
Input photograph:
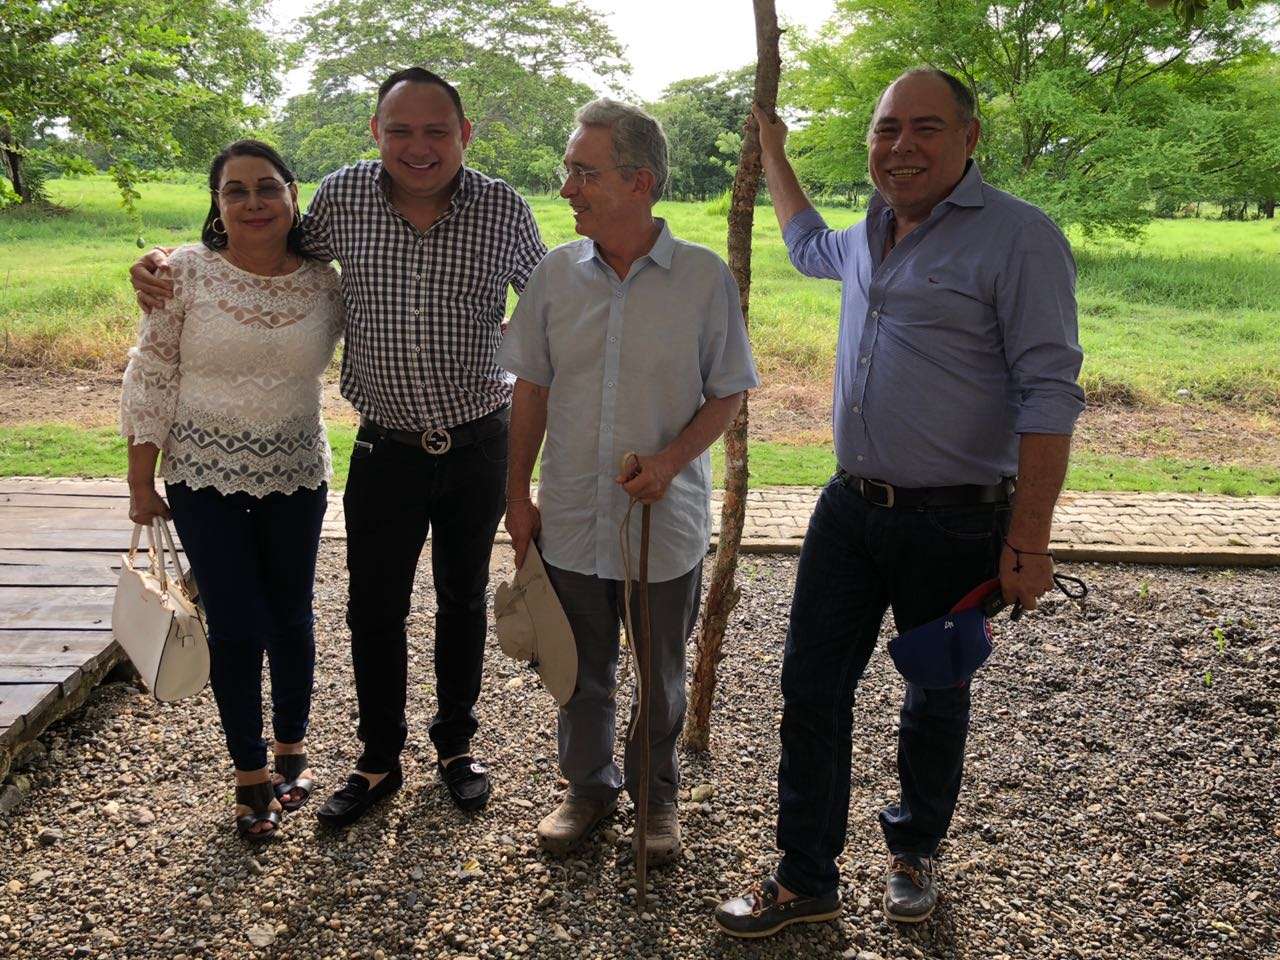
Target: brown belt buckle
(436, 441)
(887, 488)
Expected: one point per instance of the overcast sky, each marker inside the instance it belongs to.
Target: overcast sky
(666, 39)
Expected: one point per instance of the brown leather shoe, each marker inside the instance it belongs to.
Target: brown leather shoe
(662, 839)
(757, 913)
(569, 824)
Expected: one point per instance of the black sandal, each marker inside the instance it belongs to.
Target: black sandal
(257, 797)
(291, 766)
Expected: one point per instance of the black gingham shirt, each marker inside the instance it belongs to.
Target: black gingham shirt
(424, 309)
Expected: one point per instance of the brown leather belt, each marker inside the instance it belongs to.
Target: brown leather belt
(439, 440)
(922, 498)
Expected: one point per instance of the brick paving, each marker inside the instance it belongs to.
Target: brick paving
(1181, 528)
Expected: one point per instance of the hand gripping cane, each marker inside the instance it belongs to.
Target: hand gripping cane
(641, 652)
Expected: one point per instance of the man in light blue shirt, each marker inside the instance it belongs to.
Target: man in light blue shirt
(956, 371)
(628, 341)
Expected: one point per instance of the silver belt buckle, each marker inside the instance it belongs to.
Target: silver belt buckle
(886, 487)
(436, 441)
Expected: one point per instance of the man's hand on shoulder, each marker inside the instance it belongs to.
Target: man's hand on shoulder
(150, 278)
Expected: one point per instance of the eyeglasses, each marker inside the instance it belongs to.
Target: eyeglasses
(580, 175)
(268, 193)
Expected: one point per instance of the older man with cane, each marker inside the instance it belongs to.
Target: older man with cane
(627, 342)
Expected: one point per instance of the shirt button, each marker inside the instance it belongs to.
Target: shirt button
(611, 384)
(865, 360)
(613, 339)
(857, 408)
(417, 276)
(618, 294)
(859, 458)
(875, 314)
(417, 313)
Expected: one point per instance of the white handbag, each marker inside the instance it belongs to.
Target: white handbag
(156, 620)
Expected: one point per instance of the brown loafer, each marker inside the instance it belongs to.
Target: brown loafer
(757, 913)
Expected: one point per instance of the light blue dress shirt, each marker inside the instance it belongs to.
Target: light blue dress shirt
(628, 363)
(958, 340)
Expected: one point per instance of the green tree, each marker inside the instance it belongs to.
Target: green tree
(698, 114)
(317, 134)
(163, 81)
(1084, 104)
(520, 67)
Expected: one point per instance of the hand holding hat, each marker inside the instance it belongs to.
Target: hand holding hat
(532, 627)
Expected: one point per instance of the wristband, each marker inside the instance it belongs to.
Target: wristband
(1018, 554)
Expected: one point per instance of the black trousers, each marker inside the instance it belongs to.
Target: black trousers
(395, 494)
(254, 559)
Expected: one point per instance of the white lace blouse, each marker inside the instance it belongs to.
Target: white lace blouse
(226, 377)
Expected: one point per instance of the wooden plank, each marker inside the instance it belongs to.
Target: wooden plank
(77, 541)
(61, 576)
(79, 518)
(53, 647)
(20, 701)
(70, 487)
(61, 558)
(87, 608)
(61, 674)
(53, 502)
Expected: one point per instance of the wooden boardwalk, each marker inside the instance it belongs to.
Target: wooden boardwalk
(60, 546)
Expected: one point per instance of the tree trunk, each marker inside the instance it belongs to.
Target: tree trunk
(723, 594)
(1267, 208)
(13, 168)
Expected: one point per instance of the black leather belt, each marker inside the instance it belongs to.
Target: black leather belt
(440, 440)
(918, 498)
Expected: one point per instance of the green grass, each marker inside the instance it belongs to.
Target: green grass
(1195, 306)
(53, 450)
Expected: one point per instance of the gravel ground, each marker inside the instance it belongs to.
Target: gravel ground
(1121, 801)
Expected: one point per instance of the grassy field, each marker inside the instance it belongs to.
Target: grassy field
(53, 450)
(1190, 315)
(1195, 307)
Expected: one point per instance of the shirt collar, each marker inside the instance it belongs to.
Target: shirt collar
(967, 193)
(463, 184)
(661, 252)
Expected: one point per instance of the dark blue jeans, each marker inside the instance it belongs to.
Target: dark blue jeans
(857, 561)
(254, 560)
(396, 494)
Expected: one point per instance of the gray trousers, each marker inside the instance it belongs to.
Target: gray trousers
(587, 728)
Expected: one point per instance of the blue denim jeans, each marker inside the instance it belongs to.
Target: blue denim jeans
(254, 560)
(859, 560)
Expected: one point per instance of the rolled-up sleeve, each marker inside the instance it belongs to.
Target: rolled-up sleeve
(727, 364)
(814, 248)
(1036, 309)
(525, 350)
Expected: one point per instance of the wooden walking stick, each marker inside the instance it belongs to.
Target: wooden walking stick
(644, 654)
(642, 661)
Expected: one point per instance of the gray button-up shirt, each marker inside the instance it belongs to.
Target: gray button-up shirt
(958, 340)
(628, 363)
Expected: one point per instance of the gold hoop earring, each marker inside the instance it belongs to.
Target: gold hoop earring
(218, 227)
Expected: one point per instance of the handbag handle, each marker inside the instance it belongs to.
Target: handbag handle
(155, 563)
(164, 538)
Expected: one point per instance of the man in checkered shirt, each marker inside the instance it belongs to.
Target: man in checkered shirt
(427, 249)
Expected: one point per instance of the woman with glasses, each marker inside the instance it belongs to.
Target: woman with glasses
(225, 382)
